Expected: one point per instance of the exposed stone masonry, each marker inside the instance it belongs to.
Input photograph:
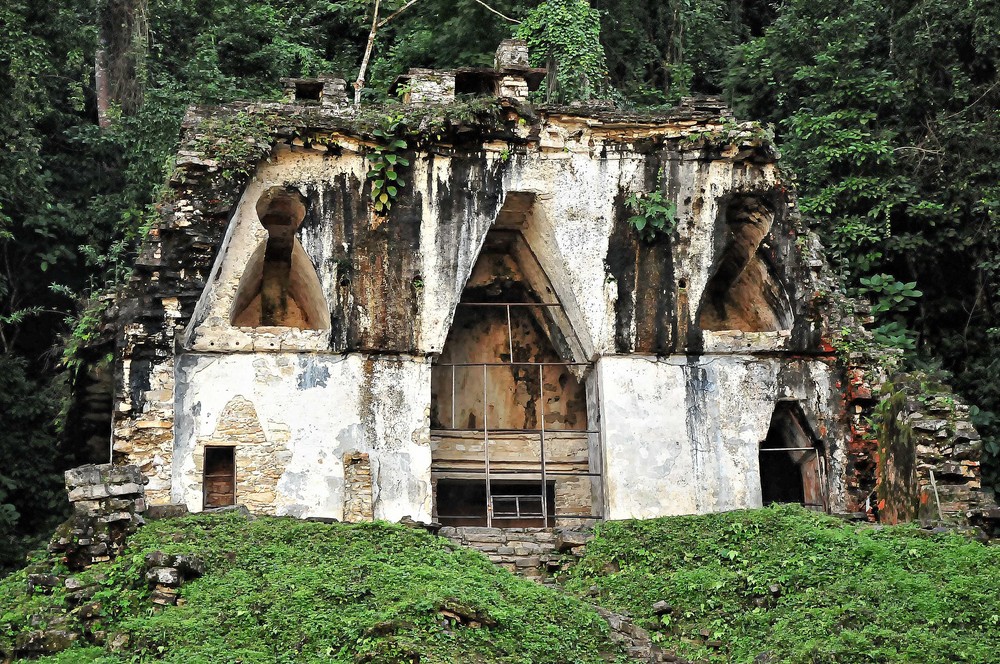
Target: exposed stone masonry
(357, 488)
(665, 379)
(108, 502)
(107, 505)
(260, 458)
(929, 465)
(540, 553)
(535, 553)
(166, 573)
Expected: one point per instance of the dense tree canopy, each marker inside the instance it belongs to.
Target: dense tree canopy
(886, 113)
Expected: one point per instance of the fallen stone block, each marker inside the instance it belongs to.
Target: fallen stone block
(569, 539)
(164, 576)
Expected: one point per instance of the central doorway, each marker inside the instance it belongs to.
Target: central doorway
(510, 441)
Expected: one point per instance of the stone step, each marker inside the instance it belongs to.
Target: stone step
(539, 553)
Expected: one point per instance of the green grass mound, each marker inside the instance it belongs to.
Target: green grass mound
(283, 590)
(786, 585)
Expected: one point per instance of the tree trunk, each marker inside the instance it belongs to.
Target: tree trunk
(120, 63)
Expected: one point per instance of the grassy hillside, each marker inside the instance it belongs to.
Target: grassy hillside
(764, 586)
(786, 585)
(281, 590)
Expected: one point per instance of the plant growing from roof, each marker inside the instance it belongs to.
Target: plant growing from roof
(383, 162)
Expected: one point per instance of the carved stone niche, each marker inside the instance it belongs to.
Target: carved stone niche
(279, 287)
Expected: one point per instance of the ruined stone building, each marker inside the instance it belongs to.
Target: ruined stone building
(483, 337)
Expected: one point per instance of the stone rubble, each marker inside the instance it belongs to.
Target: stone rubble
(540, 554)
(108, 503)
(166, 573)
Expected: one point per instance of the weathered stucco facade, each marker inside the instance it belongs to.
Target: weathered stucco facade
(320, 348)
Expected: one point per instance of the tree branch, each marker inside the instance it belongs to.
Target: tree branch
(396, 13)
(506, 18)
(360, 83)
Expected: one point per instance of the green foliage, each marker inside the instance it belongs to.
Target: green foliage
(383, 162)
(887, 115)
(32, 497)
(284, 590)
(564, 35)
(654, 215)
(237, 142)
(890, 300)
(896, 489)
(799, 586)
(658, 52)
(439, 34)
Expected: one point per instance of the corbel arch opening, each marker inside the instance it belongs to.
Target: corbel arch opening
(792, 461)
(511, 443)
(280, 287)
(744, 292)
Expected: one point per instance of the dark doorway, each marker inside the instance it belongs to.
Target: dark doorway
(791, 460)
(780, 477)
(515, 504)
(220, 476)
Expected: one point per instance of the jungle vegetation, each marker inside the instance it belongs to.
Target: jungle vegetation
(886, 113)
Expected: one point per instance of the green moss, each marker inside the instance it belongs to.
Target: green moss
(236, 141)
(898, 494)
(843, 592)
(283, 590)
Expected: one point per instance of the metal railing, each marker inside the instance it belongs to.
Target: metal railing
(494, 435)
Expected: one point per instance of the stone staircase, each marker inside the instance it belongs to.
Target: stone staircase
(534, 553)
(540, 554)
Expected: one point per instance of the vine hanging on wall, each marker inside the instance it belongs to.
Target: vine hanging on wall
(383, 163)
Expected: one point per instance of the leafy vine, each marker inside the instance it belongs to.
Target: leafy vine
(383, 163)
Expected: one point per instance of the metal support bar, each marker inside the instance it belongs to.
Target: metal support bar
(550, 473)
(510, 336)
(788, 449)
(486, 452)
(508, 304)
(507, 364)
(541, 419)
(497, 431)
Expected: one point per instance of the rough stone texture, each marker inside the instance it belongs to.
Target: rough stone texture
(260, 459)
(108, 502)
(535, 553)
(311, 410)
(511, 53)
(682, 402)
(428, 86)
(166, 573)
(538, 554)
(357, 488)
(929, 463)
(325, 90)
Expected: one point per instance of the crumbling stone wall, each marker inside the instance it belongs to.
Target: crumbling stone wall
(928, 454)
(108, 502)
(682, 398)
(392, 288)
(536, 553)
(260, 458)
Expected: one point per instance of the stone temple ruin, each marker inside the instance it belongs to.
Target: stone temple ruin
(497, 346)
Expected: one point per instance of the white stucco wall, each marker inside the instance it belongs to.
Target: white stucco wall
(568, 232)
(680, 435)
(326, 406)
